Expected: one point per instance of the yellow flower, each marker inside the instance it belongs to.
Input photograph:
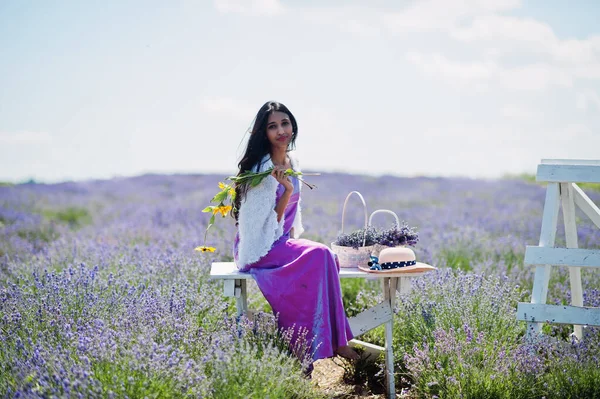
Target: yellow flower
(230, 190)
(205, 249)
(223, 210)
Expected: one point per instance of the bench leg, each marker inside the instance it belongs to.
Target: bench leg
(228, 287)
(241, 297)
(389, 295)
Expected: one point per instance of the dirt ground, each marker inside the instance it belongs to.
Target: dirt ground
(328, 377)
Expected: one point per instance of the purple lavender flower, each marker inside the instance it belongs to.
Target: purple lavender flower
(89, 303)
(398, 235)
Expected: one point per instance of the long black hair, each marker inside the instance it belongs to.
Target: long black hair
(259, 146)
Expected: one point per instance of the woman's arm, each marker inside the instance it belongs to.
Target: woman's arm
(282, 203)
(257, 223)
(279, 174)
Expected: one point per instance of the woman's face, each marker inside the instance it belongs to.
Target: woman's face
(279, 130)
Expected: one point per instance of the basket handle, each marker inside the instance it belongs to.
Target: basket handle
(364, 207)
(384, 211)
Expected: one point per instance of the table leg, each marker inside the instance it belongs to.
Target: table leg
(404, 285)
(389, 296)
(393, 289)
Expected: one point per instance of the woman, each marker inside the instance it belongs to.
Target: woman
(299, 278)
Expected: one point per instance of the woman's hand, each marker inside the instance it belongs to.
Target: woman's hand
(279, 174)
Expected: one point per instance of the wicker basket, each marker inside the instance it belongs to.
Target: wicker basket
(378, 247)
(348, 256)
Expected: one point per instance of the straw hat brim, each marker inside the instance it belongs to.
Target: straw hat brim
(419, 267)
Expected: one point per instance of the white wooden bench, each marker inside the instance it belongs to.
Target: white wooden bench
(234, 285)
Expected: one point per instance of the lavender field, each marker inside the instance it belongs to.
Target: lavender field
(102, 294)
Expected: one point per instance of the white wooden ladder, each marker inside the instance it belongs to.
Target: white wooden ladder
(562, 176)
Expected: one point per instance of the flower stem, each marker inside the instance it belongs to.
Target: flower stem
(311, 186)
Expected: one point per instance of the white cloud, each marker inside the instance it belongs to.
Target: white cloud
(498, 41)
(359, 28)
(480, 150)
(228, 107)
(566, 59)
(482, 21)
(514, 34)
(252, 7)
(520, 113)
(590, 71)
(478, 24)
(588, 99)
(358, 21)
(485, 74)
(513, 29)
(442, 15)
(25, 137)
(577, 131)
(534, 77)
(461, 72)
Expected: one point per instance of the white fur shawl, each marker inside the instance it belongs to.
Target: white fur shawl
(257, 221)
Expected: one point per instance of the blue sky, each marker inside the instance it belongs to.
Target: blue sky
(477, 88)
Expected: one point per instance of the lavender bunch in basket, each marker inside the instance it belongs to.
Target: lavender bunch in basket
(355, 239)
(398, 235)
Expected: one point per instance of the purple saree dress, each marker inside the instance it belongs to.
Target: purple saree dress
(300, 280)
